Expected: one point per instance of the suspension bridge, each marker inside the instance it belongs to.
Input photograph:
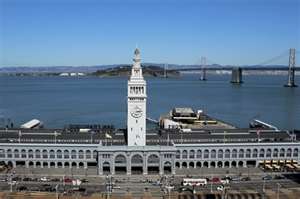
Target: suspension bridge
(236, 78)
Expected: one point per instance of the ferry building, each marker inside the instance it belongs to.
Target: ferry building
(184, 139)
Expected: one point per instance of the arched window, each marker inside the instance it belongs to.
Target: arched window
(206, 154)
(213, 153)
(296, 152)
(95, 154)
(255, 152)
(137, 159)
(248, 153)
(199, 154)
(66, 154)
(262, 153)
(2, 153)
(192, 154)
(23, 153)
(9, 153)
(59, 154)
(282, 152)
(88, 154)
(52, 154)
(37, 153)
(289, 152)
(80, 154)
(234, 153)
(220, 153)
(269, 153)
(120, 159)
(227, 153)
(73, 154)
(177, 154)
(16, 153)
(241, 153)
(45, 153)
(184, 154)
(30, 153)
(275, 153)
(153, 159)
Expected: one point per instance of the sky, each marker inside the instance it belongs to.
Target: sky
(103, 32)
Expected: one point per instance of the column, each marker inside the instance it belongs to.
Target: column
(100, 167)
(128, 161)
(145, 164)
(173, 168)
(112, 167)
(161, 167)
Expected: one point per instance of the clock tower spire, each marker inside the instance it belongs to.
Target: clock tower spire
(136, 112)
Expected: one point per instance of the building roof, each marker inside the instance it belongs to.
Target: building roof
(154, 137)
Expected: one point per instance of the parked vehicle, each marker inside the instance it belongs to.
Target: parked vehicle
(68, 180)
(44, 179)
(267, 177)
(194, 182)
(215, 180)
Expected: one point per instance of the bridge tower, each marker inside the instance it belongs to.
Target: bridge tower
(166, 70)
(203, 69)
(237, 75)
(291, 72)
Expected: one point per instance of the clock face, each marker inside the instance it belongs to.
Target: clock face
(136, 112)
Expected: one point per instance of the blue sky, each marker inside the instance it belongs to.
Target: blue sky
(95, 32)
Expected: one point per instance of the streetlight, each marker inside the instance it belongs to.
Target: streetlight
(56, 191)
(278, 187)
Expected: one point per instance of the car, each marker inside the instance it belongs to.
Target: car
(215, 180)
(68, 180)
(236, 178)
(278, 177)
(26, 179)
(22, 188)
(3, 180)
(16, 178)
(55, 180)
(245, 178)
(44, 179)
(86, 180)
(267, 177)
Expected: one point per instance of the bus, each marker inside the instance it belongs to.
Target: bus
(194, 182)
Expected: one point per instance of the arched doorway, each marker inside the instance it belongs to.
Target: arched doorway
(153, 164)
(191, 165)
(241, 163)
(167, 167)
(213, 164)
(184, 165)
(227, 164)
(233, 164)
(120, 164)
(137, 164)
(198, 165)
(205, 164)
(220, 164)
(106, 168)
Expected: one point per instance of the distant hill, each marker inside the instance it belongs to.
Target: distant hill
(124, 70)
(155, 68)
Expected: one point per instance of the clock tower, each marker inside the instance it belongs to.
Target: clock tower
(136, 118)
